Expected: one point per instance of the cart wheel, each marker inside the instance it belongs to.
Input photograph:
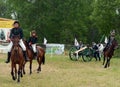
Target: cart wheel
(87, 55)
(86, 58)
(73, 56)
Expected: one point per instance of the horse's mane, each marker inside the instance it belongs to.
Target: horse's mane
(26, 44)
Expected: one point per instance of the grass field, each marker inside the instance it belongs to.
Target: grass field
(59, 71)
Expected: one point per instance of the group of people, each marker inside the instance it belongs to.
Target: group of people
(80, 45)
(17, 30)
(99, 48)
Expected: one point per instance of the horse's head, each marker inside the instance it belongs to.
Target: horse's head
(114, 44)
(15, 40)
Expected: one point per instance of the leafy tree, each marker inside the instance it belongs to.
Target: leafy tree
(60, 21)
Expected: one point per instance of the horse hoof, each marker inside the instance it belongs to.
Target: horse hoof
(14, 78)
(21, 75)
(18, 81)
(24, 72)
(105, 67)
(38, 71)
(30, 73)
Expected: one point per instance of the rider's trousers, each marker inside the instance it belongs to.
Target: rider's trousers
(20, 43)
(34, 48)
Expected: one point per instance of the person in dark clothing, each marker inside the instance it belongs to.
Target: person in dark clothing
(16, 31)
(110, 39)
(81, 44)
(96, 51)
(32, 42)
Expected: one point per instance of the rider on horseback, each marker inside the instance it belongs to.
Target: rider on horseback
(32, 42)
(14, 32)
(110, 39)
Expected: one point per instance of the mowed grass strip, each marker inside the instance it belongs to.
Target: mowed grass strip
(60, 71)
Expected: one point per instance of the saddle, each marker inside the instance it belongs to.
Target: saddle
(106, 48)
(30, 47)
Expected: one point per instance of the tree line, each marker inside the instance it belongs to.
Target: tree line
(60, 21)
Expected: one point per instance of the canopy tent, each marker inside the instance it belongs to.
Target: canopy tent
(5, 26)
(6, 23)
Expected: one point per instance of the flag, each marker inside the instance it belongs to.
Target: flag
(117, 11)
(106, 40)
(45, 41)
(76, 42)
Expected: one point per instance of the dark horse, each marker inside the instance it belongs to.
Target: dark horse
(30, 54)
(16, 58)
(109, 52)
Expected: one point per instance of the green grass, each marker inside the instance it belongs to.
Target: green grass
(60, 71)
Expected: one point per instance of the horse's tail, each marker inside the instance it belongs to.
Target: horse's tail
(43, 59)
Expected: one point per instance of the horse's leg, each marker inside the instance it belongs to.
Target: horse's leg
(106, 63)
(109, 62)
(12, 71)
(15, 72)
(31, 66)
(19, 72)
(103, 60)
(39, 62)
(24, 68)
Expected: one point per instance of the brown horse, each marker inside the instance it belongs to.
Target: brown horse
(16, 58)
(108, 53)
(40, 56)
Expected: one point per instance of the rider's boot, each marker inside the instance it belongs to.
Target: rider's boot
(8, 58)
(25, 56)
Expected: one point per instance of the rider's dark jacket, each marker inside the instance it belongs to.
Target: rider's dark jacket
(16, 31)
(95, 48)
(110, 39)
(32, 40)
